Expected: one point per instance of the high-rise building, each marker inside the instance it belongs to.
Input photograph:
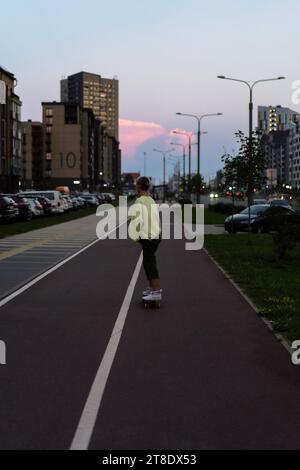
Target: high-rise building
(70, 146)
(33, 154)
(101, 95)
(97, 93)
(279, 128)
(10, 133)
(276, 118)
(294, 161)
(276, 148)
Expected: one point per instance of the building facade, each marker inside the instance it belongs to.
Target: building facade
(277, 148)
(97, 93)
(276, 118)
(32, 154)
(294, 161)
(70, 146)
(279, 129)
(10, 134)
(101, 95)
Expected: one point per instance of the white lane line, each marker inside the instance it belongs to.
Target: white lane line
(37, 279)
(90, 412)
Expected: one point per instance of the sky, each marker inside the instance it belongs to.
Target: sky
(166, 55)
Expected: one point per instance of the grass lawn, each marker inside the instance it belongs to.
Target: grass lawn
(272, 285)
(14, 228)
(214, 218)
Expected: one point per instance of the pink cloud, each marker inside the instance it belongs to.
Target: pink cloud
(135, 133)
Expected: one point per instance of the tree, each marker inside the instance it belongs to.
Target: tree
(197, 183)
(246, 170)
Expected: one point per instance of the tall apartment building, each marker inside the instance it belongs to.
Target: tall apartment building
(279, 127)
(294, 160)
(10, 133)
(33, 154)
(71, 146)
(276, 118)
(101, 95)
(97, 93)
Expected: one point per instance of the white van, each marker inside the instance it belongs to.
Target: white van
(53, 196)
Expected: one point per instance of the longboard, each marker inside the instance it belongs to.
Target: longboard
(151, 304)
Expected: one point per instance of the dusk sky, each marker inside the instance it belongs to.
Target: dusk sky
(166, 54)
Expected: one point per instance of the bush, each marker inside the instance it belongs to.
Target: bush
(286, 228)
(285, 239)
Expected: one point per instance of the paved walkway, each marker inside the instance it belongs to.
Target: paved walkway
(204, 372)
(25, 256)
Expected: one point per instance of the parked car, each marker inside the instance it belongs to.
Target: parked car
(53, 196)
(240, 222)
(64, 204)
(109, 197)
(35, 207)
(273, 218)
(8, 209)
(105, 198)
(23, 207)
(281, 203)
(69, 203)
(259, 202)
(76, 204)
(81, 201)
(48, 206)
(101, 198)
(90, 200)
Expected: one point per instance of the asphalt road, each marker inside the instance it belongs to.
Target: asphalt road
(203, 372)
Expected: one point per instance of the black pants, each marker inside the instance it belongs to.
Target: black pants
(149, 254)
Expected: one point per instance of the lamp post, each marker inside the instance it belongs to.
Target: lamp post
(175, 162)
(183, 155)
(189, 135)
(145, 163)
(175, 159)
(199, 120)
(251, 86)
(164, 153)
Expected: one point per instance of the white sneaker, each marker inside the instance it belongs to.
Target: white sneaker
(147, 291)
(153, 296)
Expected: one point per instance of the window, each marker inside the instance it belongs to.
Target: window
(49, 112)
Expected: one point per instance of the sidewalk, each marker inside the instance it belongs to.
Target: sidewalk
(25, 256)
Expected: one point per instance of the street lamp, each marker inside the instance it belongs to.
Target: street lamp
(164, 153)
(251, 86)
(145, 163)
(199, 119)
(183, 155)
(175, 162)
(189, 135)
